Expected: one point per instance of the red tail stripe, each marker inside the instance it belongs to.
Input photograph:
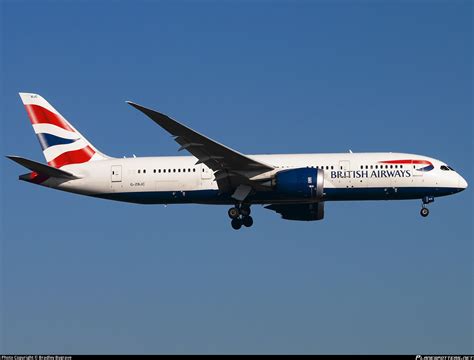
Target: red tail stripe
(40, 115)
(406, 162)
(72, 157)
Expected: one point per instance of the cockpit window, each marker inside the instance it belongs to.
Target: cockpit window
(444, 167)
(450, 168)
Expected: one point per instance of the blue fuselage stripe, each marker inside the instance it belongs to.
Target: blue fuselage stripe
(330, 194)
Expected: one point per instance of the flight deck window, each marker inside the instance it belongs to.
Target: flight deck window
(444, 168)
(450, 168)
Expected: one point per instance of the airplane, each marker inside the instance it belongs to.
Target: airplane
(294, 185)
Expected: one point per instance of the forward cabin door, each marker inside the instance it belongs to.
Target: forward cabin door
(414, 171)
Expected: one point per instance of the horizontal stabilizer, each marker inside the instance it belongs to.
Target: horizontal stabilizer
(42, 168)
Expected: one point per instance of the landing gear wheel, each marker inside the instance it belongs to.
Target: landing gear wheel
(245, 210)
(234, 213)
(247, 221)
(424, 212)
(236, 223)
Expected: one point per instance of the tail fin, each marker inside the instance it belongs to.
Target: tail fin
(62, 144)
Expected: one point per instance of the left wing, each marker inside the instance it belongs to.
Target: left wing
(231, 168)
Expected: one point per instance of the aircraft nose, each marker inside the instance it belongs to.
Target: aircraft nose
(462, 183)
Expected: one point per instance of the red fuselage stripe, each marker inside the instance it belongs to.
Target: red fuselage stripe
(425, 162)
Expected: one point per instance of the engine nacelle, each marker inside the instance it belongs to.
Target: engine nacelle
(301, 183)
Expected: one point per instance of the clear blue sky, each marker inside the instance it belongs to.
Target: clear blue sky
(83, 275)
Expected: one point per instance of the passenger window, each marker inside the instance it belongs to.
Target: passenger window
(179, 170)
(194, 170)
(139, 171)
(154, 171)
(144, 171)
(332, 167)
(174, 170)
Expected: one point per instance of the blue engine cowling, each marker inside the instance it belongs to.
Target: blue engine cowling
(301, 183)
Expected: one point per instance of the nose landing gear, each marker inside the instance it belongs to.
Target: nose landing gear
(240, 215)
(424, 210)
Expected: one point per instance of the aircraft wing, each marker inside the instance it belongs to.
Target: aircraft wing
(231, 167)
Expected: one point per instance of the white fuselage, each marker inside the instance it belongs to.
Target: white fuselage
(177, 179)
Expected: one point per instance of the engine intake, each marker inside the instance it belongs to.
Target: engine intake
(301, 183)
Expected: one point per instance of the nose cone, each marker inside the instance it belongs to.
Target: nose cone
(462, 183)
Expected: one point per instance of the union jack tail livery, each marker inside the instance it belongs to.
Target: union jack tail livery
(62, 144)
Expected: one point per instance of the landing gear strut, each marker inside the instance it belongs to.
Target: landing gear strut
(424, 210)
(240, 215)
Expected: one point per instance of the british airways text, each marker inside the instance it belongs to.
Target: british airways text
(356, 174)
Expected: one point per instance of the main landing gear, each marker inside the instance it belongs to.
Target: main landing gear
(240, 215)
(424, 210)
